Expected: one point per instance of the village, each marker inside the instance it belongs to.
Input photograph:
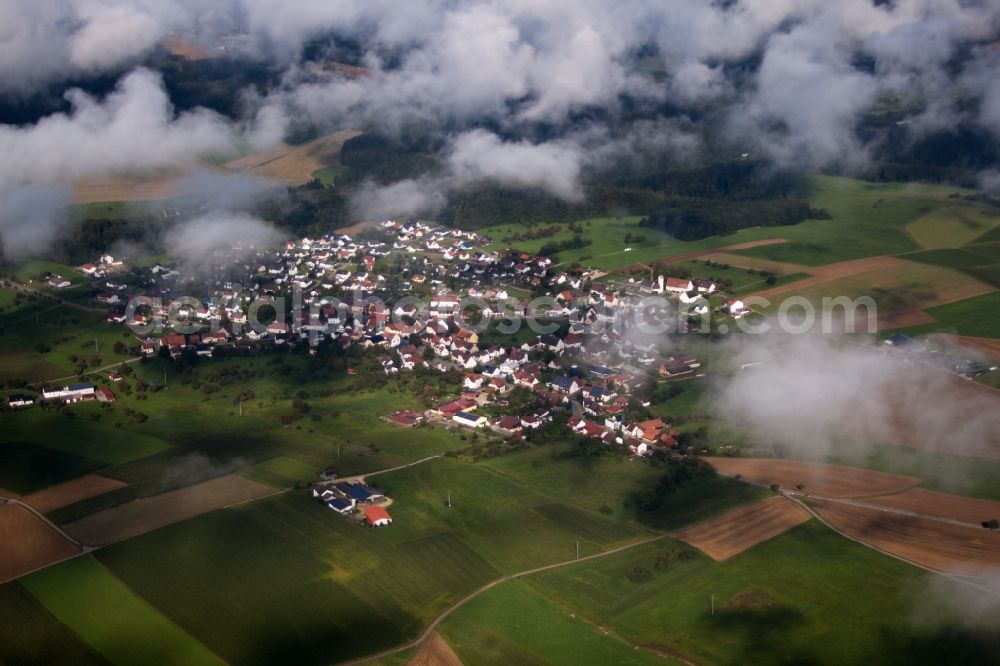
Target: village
(422, 296)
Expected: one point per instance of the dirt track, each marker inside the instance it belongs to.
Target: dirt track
(27, 543)
(144, 515)
(435, 652)
(67, 493)
(734, 532)
(940, 546)
(945, 505)
(819, 478)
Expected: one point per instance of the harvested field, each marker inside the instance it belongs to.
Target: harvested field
(823, 274)
(930, 543)
(756, 263)
(186, 48)
(818, 478)
(27, 543)
(149, 186)
(99, 189)
(150, 513)
(986, 346)
(260, 158)
(969, 428)
(67, 493)
(435, 652)
(944, 505)
(895, 285)
(891, 320)
(294, 165)
(356, 228)
(732, 533)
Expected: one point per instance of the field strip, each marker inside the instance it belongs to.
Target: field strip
(814, 477)
(149, 513)
(63, 494)
(108, 615)
(29, 542)
(933, 504)
(728, 535)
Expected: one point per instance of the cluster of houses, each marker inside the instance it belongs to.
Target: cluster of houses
(332, 273)
(337, 276)
(348, 498)
(106, 264)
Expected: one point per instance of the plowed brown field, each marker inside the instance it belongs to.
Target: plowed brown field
(818, 478)
(732, 533)
(295, 165)
(27, 543)
(67, 493)
(944, 505)
(927, 542)
(144, 515)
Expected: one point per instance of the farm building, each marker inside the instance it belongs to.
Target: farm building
(470, 420)
(72, 393)
(363, 493)
(17, 400)
(341, 506)
(377, 516)
(406, 419)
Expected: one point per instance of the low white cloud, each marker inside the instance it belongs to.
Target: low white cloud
(133, 129)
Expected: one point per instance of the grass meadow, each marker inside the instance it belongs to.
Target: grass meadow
(32, 635)
(513, 623)
(285, 579)
(807, 596)
(119, 626)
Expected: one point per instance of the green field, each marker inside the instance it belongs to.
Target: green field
(194, 431)
(283, 472)
(972, 316)
(899, 288)
(79, 435)
(512, 623)
(26, 467)
(286, 579)
(31, 635)
(327, 174)
(952, 226)
(867, 219)
(609, 486)
(85, 597)
(808, 596)
(512, 525)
